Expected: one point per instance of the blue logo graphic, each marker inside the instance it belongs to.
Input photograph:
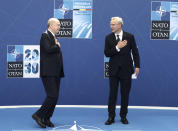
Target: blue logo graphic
(23, 61)
(164, 16)
(31, 61)
(77, 14)
(15, 53)
(77, 127)
(161, 11)
(63, 9)
(174, 21)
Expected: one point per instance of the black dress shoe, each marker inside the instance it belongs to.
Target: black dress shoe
(124, 120)
(38, 121)
(48, 123)
(109, 121)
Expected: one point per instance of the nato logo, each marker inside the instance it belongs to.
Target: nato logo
(160, 16)
(106, 67)
(64, 12)
(75, 17)
(15, 61)
(23, 61)
(77, 127)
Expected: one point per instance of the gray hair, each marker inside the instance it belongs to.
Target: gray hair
(51, 21)
(119, 20)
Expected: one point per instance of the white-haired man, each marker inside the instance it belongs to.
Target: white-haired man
(51, 71)
(118, 46)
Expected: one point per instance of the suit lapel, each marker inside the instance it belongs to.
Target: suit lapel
(113, 38)
(51, 37)
(124, 36)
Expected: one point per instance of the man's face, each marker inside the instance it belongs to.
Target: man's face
(55, 26)
(115, 26)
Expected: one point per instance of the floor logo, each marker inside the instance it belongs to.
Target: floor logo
(164, 20)
(76, 127)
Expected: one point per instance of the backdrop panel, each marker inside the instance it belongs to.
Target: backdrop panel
(23, 21)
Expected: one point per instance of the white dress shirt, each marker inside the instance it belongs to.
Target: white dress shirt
(120, 37)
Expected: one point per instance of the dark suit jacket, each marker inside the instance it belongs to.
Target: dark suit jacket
(51, 63)
(121, 63)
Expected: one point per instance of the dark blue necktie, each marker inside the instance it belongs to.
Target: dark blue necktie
(117, 39)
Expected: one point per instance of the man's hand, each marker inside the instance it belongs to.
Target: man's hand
(121, 44)
(137, 71)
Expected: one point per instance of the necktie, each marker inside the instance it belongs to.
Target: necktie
(117, 39)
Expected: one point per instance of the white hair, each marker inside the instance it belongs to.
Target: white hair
(51, 21)
(119, 20)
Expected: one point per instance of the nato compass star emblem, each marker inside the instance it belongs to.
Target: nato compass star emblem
(63, 9)
(76, 127)
(15, 53)
(161, 11)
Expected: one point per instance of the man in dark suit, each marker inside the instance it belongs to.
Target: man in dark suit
(118, 46)
(51, 70)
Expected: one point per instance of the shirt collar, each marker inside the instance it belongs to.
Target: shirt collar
(120, 34)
